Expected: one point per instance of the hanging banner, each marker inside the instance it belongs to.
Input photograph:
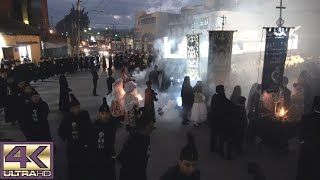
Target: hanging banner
(274, 58)
(193, 56)
(219, 58)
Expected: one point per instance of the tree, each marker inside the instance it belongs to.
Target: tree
(69, 24)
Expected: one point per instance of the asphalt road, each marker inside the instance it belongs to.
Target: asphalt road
(166, 141)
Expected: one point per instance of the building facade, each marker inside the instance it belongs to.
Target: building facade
(150, 27)
(24, 23)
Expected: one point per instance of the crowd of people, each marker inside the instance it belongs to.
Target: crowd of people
(91, 145)
(233, 124)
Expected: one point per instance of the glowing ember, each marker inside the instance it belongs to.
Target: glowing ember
(139, 97)
(282, 112)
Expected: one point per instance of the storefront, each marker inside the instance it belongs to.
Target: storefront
(18, 41)
(20, 47)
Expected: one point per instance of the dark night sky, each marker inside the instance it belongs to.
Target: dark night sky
(118, 12)
(121, 12)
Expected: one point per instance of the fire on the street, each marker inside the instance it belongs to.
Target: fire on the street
(282, 112)
(139, 97)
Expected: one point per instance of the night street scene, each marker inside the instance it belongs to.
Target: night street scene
(160, 89)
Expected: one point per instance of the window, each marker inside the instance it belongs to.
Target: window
(204, 22)
(150, 20)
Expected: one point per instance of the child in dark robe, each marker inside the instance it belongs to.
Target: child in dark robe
(104, 138)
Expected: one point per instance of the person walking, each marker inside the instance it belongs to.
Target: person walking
(131, 105)
(150, 98)
(309, 157)
(95, 78)
(110, 81)
(37, 118)
(199, 108)
(217, 116)
(187, 167)
(64, 98)
(76, 128)
(135, 152)
(187, 99)
(104, 139)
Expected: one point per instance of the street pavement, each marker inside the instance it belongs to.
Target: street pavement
(166, 141)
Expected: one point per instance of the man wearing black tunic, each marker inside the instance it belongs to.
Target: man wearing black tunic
(104, 138)
(186, 169)
(134, 155)
(37, 118)
(76, 128)
(218, 116)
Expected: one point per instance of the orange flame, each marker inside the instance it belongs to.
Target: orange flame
(139, 97)
(282, 112)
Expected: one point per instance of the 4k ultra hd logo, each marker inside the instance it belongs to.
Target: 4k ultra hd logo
(25, 160)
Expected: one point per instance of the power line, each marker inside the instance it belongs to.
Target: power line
(108, 3)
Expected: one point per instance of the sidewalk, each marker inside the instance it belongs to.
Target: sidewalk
(9, 132)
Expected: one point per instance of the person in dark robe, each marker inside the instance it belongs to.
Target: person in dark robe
(17, 106)
(76, 128)
(95, 78)
(187, 99)
(134, 155)
(104, 139)
(86, 62)
(236, 94)
(37, 118)
(286, 93)
(154, 77)
(64, 98)
(4, 94)
(242, 123)
(220, 105)
(110, 62)
(304, 80)
(253, 112)
(104, 63)
(110, 81)
(27, 93)
(187, 167)
(309, 156)
(150, 97)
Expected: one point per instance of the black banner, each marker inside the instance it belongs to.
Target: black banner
(219, 59)
(274, 58)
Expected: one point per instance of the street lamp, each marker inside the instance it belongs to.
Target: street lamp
(98, 33)
(89, 29)
(85, 30)
(106, 28)
(51, 31)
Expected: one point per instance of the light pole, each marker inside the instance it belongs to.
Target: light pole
(78, 28)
